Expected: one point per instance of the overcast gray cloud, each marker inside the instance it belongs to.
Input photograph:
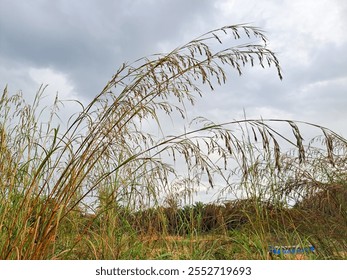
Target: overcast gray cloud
(76, 46)
(88, 40)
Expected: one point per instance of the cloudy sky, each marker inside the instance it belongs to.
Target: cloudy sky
(75, 47)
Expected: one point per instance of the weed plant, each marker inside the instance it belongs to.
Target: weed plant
(95, 190)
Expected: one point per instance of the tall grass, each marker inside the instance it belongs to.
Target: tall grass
(95, 189)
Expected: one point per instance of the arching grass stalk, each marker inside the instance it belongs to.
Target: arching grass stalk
(105, 158)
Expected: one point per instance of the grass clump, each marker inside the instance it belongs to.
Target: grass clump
(95, 190)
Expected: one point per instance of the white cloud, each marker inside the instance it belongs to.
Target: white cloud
(320, 20)
(57, 82)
